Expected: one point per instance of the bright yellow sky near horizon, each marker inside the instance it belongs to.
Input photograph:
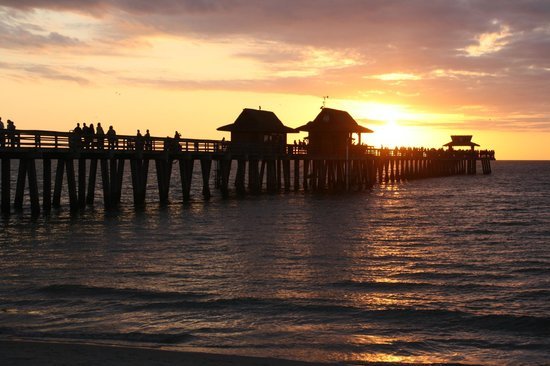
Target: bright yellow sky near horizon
(193, 70)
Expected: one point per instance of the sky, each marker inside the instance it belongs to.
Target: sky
(414, 71)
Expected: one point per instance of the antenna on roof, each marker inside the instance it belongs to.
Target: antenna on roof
(324, 101)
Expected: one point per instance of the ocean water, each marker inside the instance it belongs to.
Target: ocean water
(447, 270)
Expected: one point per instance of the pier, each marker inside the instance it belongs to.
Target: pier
(76, 167)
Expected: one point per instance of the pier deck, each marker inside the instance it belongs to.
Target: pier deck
(282, 167)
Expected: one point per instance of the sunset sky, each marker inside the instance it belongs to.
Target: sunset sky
(413, 71)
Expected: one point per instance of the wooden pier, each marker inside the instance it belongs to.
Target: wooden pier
(72, 166)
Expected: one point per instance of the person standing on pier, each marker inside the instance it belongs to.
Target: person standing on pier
(86, 135)
(111, 138)
(91, 134)
(77, 130)
(148, 142)
(2, 138)
(75, 140)
(177, 146)
(139, 141)
(100, 134)
(11, 133)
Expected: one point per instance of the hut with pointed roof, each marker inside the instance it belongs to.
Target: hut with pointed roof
(257, 131)
(330, 133)
(461, 140)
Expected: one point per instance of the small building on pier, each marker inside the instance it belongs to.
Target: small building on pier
(330, 133)
(461, 141)
(257, 131)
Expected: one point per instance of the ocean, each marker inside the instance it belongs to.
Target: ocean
(442, 270)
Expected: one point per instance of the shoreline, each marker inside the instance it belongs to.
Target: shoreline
(19, 352)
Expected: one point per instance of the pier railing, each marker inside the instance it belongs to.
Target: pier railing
(55, 140)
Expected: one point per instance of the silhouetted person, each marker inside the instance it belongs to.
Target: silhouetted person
(168, 143)
(75, 139)
(177, 146)
(91, 134)
(2, 133)
(111, 138)
(77, 130)
(148, 142)
(139, 141)
(87, 135)
(11, 133)
(100, 136)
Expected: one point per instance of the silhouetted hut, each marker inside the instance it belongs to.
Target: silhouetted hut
(257, 131)
(461, 140)
(330, 133)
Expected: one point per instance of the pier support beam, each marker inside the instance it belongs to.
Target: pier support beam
(296, 174)
(91, 182)
(20, 186)
(71, 182)
(6, 186)
(305, 174)
(27, 167)
(271, 176)
(206, 166)
(107, 202)
(253, 176)
(139, 169)
(58, 183)
(81, 183)
(186, 176)
(225, 169)
(240, 176)
(286, 174)
(46, 185)
(33, 187)
(164, 173)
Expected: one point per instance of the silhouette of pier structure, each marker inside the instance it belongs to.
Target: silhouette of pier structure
(330, 161)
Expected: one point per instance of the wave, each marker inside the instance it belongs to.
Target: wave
(327, 312)
(137, 337)
(414, 286)
(127, 293)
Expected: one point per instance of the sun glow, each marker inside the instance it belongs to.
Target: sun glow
(388, 121)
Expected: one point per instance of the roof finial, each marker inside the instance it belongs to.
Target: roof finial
(324, 101)
(260, 108)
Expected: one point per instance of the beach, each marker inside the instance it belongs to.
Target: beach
(24, 352)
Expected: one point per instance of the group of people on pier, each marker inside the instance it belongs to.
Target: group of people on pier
(8, 137)
(88, 138)
(421, 152)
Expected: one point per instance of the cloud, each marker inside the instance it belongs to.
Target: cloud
(394, 76)
(19, 34)
(441, 55)
(30, 71)
(489, 42)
